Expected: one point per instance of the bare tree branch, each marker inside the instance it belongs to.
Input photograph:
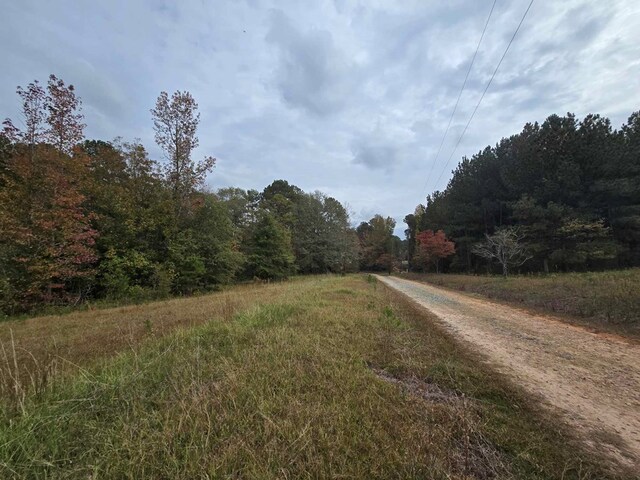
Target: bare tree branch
(506, 247)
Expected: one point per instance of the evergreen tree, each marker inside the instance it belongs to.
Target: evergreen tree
(268, 250)
(570, 186)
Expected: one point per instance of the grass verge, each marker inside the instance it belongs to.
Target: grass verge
(604, 301)
(325, 377)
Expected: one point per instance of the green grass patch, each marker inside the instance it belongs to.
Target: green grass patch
(267, 315)
(346, 291)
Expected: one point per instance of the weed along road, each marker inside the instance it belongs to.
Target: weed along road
(594, 380)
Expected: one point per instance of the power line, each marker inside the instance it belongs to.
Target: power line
(485, 90)
(464, 84)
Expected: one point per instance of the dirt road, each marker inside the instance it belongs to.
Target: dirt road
(594, 380)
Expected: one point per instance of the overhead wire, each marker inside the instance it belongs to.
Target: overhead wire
(485, 91)
(455, 108)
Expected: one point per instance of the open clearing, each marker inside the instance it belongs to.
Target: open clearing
(319, 377)
(594, 379)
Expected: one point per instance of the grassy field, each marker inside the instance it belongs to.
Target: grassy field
(321, 377)
(608, 301)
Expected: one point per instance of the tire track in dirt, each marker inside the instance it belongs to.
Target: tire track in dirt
(593, 380)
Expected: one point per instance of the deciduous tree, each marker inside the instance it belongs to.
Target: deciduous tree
(506, 247)
(175, 121)
(387, 262)
(432, 247)
(44, 219)
(64, 116)
(376, 238)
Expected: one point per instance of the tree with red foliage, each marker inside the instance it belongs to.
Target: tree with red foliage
(388, 262)
(431, 247)
(64, 119)
(44, 225)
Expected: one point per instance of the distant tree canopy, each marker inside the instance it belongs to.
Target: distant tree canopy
(572, 187)
(380, 249)
(85, 219)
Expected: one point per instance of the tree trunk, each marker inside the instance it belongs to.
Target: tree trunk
(468, 252)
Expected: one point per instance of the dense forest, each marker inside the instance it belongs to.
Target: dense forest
(88, 219)
(570, 188)
(84, 219)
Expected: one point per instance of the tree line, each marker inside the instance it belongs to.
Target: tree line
(86, 219)
(568, 190)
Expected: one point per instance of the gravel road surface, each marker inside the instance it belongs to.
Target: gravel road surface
(592, 379)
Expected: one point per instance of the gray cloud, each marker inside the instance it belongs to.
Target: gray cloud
(384, 147)
(312, 73)
(378, 155)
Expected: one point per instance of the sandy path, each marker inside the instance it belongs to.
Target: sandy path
(594, 380)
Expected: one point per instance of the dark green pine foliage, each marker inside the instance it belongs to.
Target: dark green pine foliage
(572, 187)
(621, 183)
(268, 250)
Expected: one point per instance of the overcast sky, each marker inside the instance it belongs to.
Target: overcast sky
(347, 97)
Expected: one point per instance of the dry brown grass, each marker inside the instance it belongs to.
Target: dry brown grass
(322, 377)
(604, 301)
(34, 350)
